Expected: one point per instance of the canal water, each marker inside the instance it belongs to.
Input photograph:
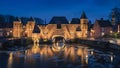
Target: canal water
(54, 56)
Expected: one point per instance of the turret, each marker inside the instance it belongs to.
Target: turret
(83, 21)
(84, 25)
(17, 27)
(30, 26)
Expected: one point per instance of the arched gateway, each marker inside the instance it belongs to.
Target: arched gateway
(58, 38)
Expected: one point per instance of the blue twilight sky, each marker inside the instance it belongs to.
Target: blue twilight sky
(94, 9)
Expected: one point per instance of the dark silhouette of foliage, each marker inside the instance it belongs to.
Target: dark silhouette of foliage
(115, 12)
(7, 20)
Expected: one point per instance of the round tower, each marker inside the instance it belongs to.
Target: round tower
(30, 26)
(17, 28)
(84, 24)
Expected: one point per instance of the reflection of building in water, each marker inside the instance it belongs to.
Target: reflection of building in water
(46, 52)
(28, 58)
(57, 47)
(70, 53)
(29, 54)
(83, 53)
(35, 49)
(10, 60)
(43, 52)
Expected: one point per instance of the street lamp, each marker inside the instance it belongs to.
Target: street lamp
(118, 28)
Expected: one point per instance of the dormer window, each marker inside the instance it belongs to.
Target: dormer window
(58, 26)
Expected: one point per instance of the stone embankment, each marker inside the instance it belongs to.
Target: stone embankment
(100, 44)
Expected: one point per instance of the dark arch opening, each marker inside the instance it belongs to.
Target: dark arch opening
(59, 39)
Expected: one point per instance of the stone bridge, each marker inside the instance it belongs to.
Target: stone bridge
(56, 38)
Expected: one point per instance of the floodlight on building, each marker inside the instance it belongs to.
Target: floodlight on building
(103, 33)
(111, 31)
(118, 28)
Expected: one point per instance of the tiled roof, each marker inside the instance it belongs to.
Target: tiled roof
(75, 21)
(59, 20)
(104, 23)
(36, 29)
(37, 21)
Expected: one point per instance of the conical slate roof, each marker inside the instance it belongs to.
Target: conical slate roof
(83, 16)
(36, 29)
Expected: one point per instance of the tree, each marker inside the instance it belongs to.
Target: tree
(115, 13)
(2, 19)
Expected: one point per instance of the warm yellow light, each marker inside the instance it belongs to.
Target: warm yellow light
(111, 58)
(11, 31)
(86, 59)
(45, 40)
(103, 33)
(111, 31)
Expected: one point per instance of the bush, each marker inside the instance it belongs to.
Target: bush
(29, 41)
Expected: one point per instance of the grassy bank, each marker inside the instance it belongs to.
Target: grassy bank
(17, 43)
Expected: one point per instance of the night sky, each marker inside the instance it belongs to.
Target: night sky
(95, 9)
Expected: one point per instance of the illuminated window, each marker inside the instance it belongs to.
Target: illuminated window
(111, 31)
(103, 33)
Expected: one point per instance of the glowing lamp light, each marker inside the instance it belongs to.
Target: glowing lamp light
(11, 31)
(86, 59)
(111, 57)
(118, 28)
(111, 31)
(45, 40)
(59, 48)
(26, 31)
(103, 33)
(92, 52)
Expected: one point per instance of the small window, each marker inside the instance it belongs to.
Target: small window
(85, 21)
(103, 29)
(58, 26)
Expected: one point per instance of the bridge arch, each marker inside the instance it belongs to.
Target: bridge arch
(58, 36)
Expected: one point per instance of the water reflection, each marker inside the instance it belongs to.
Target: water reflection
(69, 53)
(10, 60)
(52, 54)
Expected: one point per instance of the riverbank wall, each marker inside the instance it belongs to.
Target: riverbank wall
(99, 44)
